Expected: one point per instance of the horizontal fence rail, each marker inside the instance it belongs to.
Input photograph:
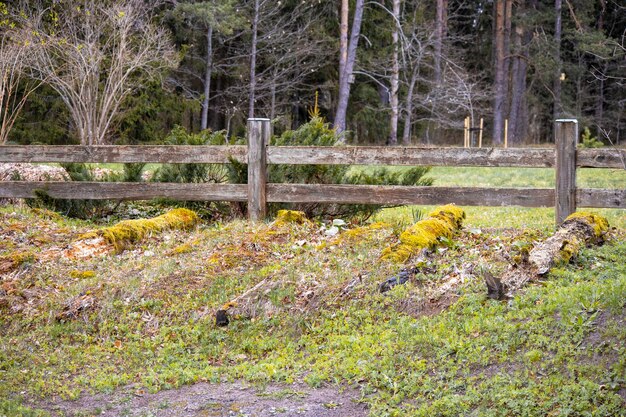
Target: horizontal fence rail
(257, 154)
(125, 190)
(314, 193)
(163, 154)
(299, 155)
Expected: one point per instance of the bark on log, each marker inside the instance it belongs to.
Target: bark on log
(577, 231)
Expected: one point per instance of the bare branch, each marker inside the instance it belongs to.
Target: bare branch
(95, 55)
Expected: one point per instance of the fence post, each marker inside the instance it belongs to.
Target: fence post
(258, 139)
(565, 138)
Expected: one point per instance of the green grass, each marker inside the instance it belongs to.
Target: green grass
(558, 348)
(523, 177)
(517, 177)
(502, 217)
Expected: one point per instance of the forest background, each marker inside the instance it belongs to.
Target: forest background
(384, 72)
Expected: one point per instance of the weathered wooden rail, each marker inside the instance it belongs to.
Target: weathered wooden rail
(565, 197)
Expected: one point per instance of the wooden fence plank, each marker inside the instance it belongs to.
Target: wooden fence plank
(361, 194)
(378, 155)
(601, 198)
(122, 154)
(362, 155)
(398, 195)
(601, 158)
(126, 190)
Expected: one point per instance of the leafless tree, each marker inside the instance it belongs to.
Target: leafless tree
(14, 86)
(348, 65)
(441, 26)
(282, 61)
(395, 74)
(289, 54)
(95, 54)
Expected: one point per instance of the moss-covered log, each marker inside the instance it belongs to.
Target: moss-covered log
(129, 231)
(576, 232)
(440, 223)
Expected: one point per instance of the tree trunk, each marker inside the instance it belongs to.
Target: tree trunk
(343, 40)
(500, 79)
(518, 112)
(441, 24)
(273, 99)
(251, 93)
(204, 123)
(557, 108)
(599, 105)
(508, 12)
(395, 76)
(344, 89)
(408, 108)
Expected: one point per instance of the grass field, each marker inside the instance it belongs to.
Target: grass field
(73, 327)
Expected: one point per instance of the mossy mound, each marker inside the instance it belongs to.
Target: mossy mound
(14, 260)
(290, 216)
(130, 231)
(441, 222)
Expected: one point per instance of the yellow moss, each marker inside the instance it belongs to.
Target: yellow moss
(14, 260)
(599, 224)
(19, 258)
(442, 222)
(355, 235)
(129, 231)
(450, 213)
(290, 216)
(229, 305)
(378, 225)
(82, 274)
(184, 248)
(358, 232)
(45, 213)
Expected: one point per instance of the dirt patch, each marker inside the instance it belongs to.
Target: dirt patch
(224, 399)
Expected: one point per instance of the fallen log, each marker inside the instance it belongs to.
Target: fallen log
(127, 232)
(577, 231)
(425, 234)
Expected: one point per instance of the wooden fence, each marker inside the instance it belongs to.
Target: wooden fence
(565, 197)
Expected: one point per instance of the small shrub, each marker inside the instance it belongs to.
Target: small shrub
(589, 141)
(202, 173)
(318, 133)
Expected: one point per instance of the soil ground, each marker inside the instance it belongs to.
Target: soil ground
(219, 400)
